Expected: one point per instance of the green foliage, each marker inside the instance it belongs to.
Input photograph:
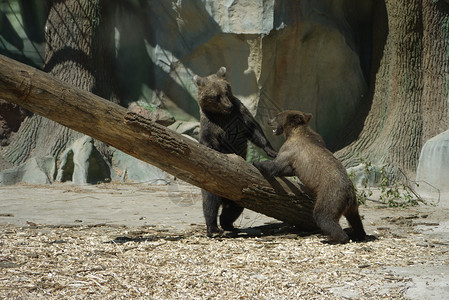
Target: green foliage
(147, 106)
(396, 194)
(255, 154)
(393, 193)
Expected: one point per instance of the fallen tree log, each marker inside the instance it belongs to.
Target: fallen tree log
(226, 175)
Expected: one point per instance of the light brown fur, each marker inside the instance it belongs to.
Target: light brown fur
(305, 155)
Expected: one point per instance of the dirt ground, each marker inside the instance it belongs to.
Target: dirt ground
(142, 241)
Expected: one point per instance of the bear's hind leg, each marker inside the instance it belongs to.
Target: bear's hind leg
(329, 224)
(211, 204)
(230, 212)
(353, 217)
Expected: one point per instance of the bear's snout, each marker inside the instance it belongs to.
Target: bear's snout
(273, 122)
(228, 106)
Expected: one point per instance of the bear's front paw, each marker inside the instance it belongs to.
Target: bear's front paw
(270, 152)
(258, 165)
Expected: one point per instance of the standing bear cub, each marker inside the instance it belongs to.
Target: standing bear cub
(305, 155)
(226, 125)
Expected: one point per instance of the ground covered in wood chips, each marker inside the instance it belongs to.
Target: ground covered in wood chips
(405, 256)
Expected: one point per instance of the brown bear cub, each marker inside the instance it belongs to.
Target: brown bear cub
(226, 125)
(305, 155)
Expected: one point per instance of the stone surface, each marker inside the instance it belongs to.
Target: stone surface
(177, 205)
(131, 169)
(433, 166)
(35, 171)
(82, 163)
(190, 128)
(279, 55)
(4, 164)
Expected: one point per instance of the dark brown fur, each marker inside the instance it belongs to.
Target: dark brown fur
(305, 155)
(226, 126)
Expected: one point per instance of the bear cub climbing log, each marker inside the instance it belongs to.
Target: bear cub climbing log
(226, 125)
(305, 155)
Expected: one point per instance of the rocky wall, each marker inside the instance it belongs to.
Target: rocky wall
(306, 55)
(311, 55)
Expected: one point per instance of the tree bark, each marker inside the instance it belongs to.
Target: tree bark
(226, 175)
(410, 102)
(80, 50)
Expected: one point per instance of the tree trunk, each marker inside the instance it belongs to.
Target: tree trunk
(80, 49)
(410, 93)
(435, 66)
(226, 175)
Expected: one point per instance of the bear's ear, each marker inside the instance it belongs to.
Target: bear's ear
(293, 119)
(198, 80)
(298, 118)
(221, 72)
(307, 118)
